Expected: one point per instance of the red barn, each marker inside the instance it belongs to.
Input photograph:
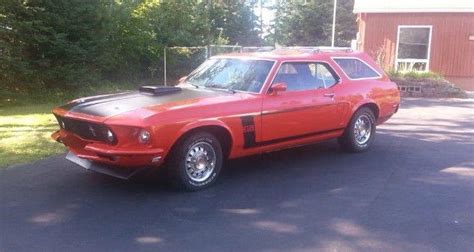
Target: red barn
(414, 35)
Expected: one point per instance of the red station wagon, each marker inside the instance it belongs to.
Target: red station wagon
(231, 106)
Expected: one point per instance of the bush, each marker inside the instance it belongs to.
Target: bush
(413, 75)
(60, 95)
(69, 44)
(425, 84)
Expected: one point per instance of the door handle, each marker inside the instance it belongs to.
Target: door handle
(330, 95)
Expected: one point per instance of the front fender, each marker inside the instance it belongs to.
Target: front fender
(201, 124)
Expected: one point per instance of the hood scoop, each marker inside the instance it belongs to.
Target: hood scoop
(158, 90)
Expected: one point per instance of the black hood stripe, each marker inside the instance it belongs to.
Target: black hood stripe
(110, 105)
(100, 99)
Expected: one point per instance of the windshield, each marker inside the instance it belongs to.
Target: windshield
(234, 74)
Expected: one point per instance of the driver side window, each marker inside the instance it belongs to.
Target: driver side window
(299, 76)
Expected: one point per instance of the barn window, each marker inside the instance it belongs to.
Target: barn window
(413, 48)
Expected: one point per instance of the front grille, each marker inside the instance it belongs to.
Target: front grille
(85, 130)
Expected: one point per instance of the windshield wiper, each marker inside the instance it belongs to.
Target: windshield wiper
(212, 85)
(195, 85)
(219, 87)
(231, 90)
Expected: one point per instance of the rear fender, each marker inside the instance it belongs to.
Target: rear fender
(363, 103)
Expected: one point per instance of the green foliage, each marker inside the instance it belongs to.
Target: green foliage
(237, 21)
(413, 75)
(181, 60)
(60, 95)
(309, 23)
(50, 44)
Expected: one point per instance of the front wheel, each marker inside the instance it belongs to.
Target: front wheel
(360, 133)
(196, 161)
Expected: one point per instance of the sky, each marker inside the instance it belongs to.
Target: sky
(268, 14)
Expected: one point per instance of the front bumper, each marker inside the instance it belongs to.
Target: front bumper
(102, 153)
(117, 172)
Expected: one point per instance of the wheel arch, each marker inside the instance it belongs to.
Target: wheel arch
(368, 104)
(221, 131)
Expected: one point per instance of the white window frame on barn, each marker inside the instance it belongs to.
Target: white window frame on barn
(408, 64)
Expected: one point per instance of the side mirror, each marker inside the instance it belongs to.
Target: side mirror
(182, 79)
(277, 88)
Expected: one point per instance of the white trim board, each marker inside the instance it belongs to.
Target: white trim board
(410, 6)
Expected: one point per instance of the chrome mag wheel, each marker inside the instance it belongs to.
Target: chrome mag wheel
(200, 161)
(362, 129)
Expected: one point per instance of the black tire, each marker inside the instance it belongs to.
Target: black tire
(177, 165)
(348, 140)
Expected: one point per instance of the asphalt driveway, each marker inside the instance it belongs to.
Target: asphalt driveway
(413, 191)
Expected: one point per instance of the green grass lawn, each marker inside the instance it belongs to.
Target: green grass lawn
(26, 122)
(25, 134)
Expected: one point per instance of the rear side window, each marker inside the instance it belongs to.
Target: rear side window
(300, 76)
(356, 69)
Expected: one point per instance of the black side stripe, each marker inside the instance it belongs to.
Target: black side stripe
(284, 139)
(248, 126)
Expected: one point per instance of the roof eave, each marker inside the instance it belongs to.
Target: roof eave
(357, 11)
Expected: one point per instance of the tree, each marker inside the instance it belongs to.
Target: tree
(346, 25)
(308, 23)
(237, 21)
(47, 42)
(53, 43)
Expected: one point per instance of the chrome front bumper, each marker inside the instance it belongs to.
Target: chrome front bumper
(118, 172)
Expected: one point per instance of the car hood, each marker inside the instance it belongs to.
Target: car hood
(115, 104)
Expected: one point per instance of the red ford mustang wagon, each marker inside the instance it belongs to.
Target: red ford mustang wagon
(230, 106)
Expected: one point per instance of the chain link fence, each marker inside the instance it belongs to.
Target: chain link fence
(180, 61)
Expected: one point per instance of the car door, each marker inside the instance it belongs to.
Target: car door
(307, 107)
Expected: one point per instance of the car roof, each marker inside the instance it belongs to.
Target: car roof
(295, 54)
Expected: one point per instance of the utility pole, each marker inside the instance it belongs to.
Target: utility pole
(261, 18)
(333, 23)
(164, 66)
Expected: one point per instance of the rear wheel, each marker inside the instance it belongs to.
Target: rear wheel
(360, 133)
(196, 161)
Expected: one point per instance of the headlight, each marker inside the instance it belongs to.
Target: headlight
(110, 136)
(144, 136)
(62, 124)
